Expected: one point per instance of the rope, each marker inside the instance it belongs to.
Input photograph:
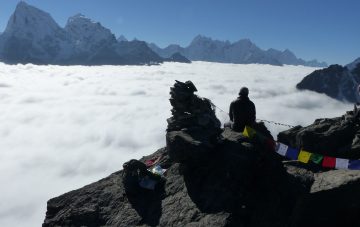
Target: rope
(276, 123)
(267, 121)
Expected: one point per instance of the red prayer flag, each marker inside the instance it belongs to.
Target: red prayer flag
(270, 144)
(329, 162)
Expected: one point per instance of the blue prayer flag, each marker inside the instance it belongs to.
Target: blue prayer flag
(292, 153)
(354, 164)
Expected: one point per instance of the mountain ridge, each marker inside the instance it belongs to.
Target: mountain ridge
(33, 36)
(243, 51)
(336, 81)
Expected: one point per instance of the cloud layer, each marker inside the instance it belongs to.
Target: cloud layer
(64, 127)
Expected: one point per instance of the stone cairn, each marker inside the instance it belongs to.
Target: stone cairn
(189, 110)
(193, 128)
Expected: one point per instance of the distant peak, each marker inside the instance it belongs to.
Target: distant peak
(201, 37)
(245, 40)
(80, 17)
(22, 4)
(28, 19)
(122, 38)
(353, 64)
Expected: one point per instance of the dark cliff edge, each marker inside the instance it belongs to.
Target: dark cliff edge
(214, 177)
(336, 81)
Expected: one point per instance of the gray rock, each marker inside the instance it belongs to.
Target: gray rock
(337, 137)
(333, 200)
(336, 81)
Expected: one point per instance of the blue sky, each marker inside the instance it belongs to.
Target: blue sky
(327, 30)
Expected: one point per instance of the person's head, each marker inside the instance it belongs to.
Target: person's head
(244, 91)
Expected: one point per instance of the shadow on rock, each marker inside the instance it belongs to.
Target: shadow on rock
(147, 204)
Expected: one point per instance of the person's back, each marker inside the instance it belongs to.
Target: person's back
(242, 111)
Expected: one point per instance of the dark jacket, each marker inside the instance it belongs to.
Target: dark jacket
(242, 112)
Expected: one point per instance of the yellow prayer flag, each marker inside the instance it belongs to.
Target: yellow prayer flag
(304, 156)
(249, 132)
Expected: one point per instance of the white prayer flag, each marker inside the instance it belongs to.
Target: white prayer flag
(281, 149)
(342, 163)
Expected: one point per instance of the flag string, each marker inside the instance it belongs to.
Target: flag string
(261, 120)
(302, 155)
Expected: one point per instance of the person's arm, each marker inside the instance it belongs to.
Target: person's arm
(231, 112)
(253, 112)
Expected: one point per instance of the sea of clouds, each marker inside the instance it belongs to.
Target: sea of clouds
(64, 127)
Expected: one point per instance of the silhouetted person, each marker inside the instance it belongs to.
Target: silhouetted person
(242, 111)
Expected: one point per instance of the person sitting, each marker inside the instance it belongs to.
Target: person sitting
(242, 111)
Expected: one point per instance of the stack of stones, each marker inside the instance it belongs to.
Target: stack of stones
(189, 110)
(193, 128)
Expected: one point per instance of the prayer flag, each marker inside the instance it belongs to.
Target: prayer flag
(304, 156)
(158, 170)
(329, 162)
(292, 153)
(354, 164)
(249, 132)
(316, 158)
(281, 149)
(342, 163)
(270, 144)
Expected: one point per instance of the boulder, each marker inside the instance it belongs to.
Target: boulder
(337, 137)
(332, 199)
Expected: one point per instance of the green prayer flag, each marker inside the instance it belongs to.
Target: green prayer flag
(316, 158)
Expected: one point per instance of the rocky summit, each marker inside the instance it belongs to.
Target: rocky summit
(214, 177)
(336, 137)
(338, 82)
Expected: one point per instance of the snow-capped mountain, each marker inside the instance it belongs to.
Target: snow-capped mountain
(32, 36)
(353, 64)
(243, 51)
(87, 35)
(336, 81)
(122, 38)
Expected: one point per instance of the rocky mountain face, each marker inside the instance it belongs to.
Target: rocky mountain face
(214, 177)
(335, 81)
(89, 39)
(241, 52)
(335, 137)
(32, 36)
(177, 57)
(353, 64)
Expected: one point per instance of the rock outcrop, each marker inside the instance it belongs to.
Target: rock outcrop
(337, 137)
(338, 82)
(214, 177)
